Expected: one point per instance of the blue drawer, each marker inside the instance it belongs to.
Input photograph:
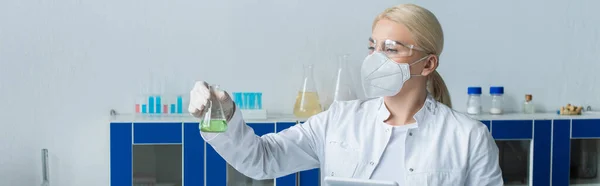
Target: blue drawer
(585, 128)
(512, 129)
(157, 133)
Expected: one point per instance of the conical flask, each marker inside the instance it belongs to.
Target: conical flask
(213, 119)
(343, 81)
(307, 100)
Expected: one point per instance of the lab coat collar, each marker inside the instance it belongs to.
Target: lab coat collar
(428, 109)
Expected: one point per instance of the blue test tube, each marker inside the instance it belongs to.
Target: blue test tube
(158, 105)
(252, 100)
(144, 109)
(173, 111)
(151, 105)
(259, 100)
(246, 100)
(179, 104)
(237, 98)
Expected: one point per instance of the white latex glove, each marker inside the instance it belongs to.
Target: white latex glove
(200, 95)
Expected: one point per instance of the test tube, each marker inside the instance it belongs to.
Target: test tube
(144, 109)
(179, 104)
(173, 110)
(137, 108)
(259, 100)
(158, 104)
(237, 98)
(252, 100)
(151, 105)
(245, 100)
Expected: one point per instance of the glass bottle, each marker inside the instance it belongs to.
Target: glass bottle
(214, 119)
(307, 100)
(343, 81)
(474, 101)
(528, 107)
(497, 94)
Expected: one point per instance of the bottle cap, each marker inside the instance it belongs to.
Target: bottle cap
(496, 90)
(474, 90)
(528, 97)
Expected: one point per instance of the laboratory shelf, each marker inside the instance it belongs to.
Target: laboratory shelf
(144, 145)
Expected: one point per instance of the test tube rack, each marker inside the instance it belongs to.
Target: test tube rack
(250, 103)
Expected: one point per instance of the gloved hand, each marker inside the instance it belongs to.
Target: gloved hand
(200, 95)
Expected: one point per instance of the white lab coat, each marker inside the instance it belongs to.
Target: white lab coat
(348, 140)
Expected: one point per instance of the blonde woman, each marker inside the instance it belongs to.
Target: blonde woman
(406, 132)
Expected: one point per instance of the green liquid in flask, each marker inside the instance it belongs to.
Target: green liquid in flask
(214, 126)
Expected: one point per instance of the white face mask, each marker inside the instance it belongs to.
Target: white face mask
(382, 76)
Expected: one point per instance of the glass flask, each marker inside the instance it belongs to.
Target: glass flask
(343, 81)
(307, 100)
(214, 118)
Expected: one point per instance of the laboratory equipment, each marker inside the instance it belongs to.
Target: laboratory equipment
(474, 101)
(179, 104)
(159, 104)
(214, 119)
(497, 94)
(250, 103)
(237, 99)
(246, 100)
(151, 105)
(528, 107)
(45, 168)
(343, 81)
(259, 100)
(159, 101)
(307, 100)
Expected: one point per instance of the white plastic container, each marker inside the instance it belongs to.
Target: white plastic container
(497, 94)
(474, 100)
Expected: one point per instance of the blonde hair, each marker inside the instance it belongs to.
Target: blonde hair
(427, 33)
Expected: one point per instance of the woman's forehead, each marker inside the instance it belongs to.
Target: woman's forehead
(387, 29)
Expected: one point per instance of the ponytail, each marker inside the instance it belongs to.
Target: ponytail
(437, 88)
(428, 34)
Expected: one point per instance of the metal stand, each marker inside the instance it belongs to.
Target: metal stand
(45, 168)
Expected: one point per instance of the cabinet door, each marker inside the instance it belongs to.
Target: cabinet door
(289, 180)
(157, 154)
(585, 148)
(193, 155)
(120, 154)
(561, 141)
(514, 140)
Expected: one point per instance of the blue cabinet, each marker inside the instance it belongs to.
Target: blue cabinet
(546, 144)
(575, 149)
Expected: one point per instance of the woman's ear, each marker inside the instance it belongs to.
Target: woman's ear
(431, 63)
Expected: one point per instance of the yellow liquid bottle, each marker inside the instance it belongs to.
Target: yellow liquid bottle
(307, 104)
(307, 101)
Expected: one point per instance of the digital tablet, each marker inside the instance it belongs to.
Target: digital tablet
(338, 181)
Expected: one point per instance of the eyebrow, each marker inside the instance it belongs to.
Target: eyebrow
(371, 40)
